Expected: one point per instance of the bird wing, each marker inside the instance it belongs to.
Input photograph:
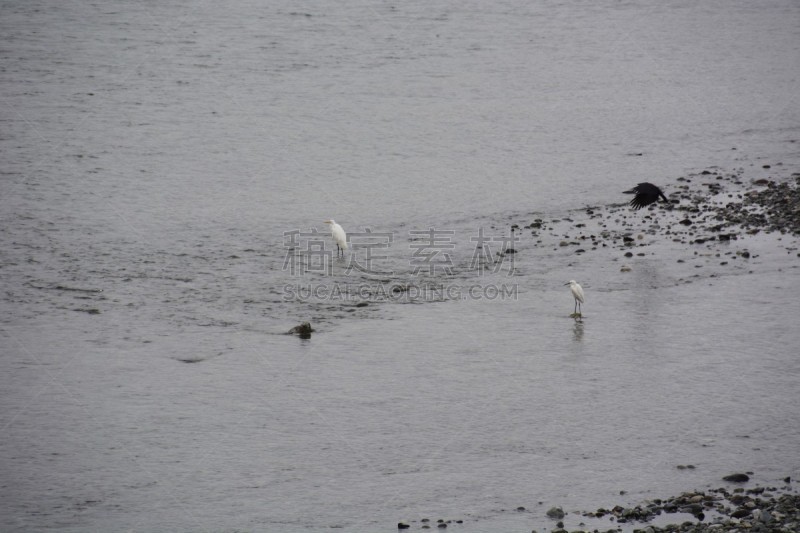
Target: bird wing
(642, 200)
(646, 194)
(339, 235)
(578, 293)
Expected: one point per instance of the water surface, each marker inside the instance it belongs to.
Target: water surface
(155, 156)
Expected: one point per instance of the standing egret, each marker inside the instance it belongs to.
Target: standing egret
(646, 194)
(577, 292)
(338, 234)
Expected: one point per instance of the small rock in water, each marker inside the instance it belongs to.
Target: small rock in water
(556, 513)
(402, 525)
(303, 330)
(737, 478)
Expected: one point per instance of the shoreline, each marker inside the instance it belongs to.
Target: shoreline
(724, 509)
(735, 508)
(712, 214)
(706, 208)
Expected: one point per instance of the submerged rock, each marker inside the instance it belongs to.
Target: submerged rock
(303, 330)
(737, 478)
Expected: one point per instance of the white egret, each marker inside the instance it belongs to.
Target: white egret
(646, 194)
(577, 292)
(338, 234)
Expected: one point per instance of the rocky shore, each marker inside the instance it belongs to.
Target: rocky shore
(713, 217)
(722, 510)
(705, 209)
(759, 509)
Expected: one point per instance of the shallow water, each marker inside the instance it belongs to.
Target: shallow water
(155, 157)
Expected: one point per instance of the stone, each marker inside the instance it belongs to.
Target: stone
(556, 513)
(737, 478)
(303, 330)
(740, 513)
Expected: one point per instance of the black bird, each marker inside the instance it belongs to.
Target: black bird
(646, 194)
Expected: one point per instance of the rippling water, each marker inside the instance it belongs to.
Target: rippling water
(157, 158)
